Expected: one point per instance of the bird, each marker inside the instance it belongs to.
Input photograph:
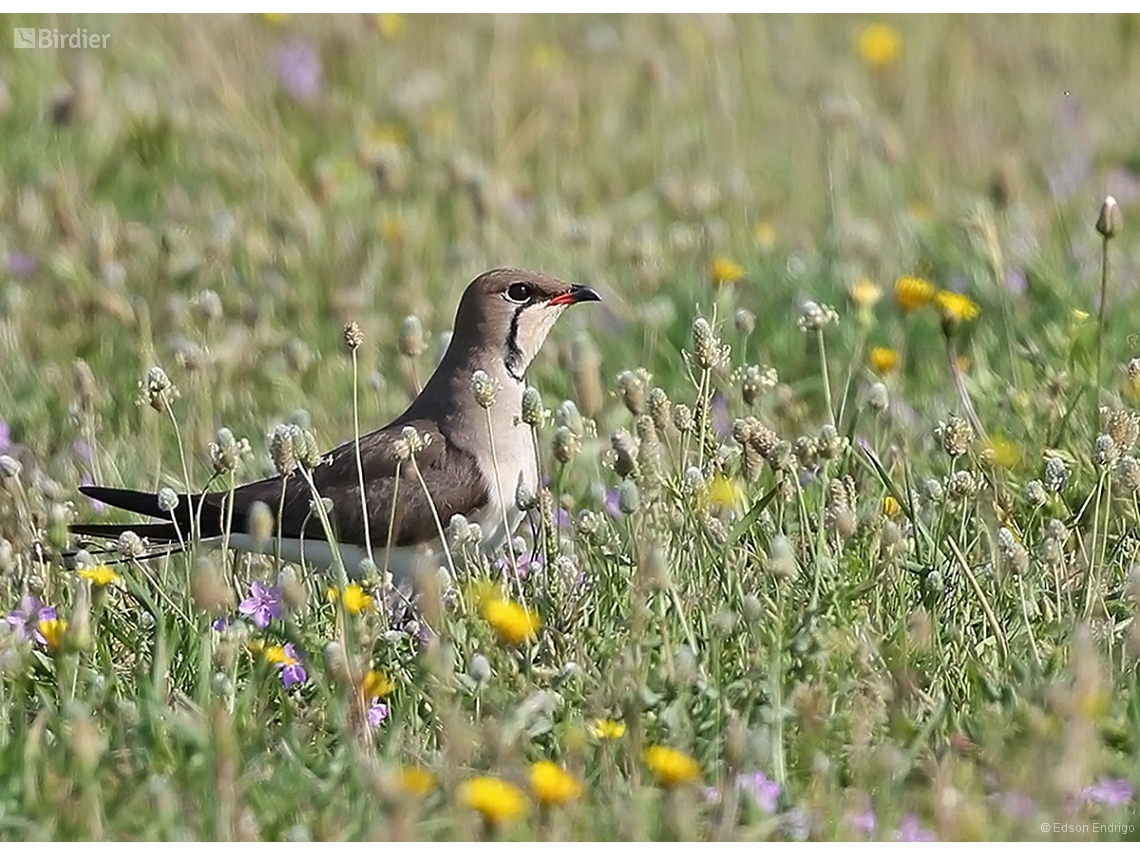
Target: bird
(470, 460)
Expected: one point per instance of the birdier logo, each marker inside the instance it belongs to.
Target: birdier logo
(30, 37)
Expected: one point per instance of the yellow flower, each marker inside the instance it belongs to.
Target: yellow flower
(355, 599)
(552, 785)
(1004, 452)
(101, 575)
(726, 492)
(53, 631)
(276, 654)
(671, 767)
(891, 506)
(390, 25)
(496, 799)
(726, 272)
(884, 359)
(880, 44)
(957, 307)
(416, 780)
(511, 622)
(913, 293)
(376, 685)
(607, 728)
(864, 293)
(764, 235)
(275, 19)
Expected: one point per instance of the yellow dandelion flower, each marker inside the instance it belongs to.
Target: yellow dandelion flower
(1004, 452)
(912, 293)
(553, 786)
(726, 492)
(376, 684)
(880, 45)
(764, 236)
(957, 307)
(883, 359)
(390, 25)
(355, 599)
(726, 271)
(891, 507)
(496, 799)
(864, 293)
(275, 19)
(53, 632)
(416, 780)
(511, 622)
(671, 767)
(101, 575)
(607, 728)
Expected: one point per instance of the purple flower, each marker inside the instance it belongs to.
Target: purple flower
(27, 618)
(220, 624)
(1014, 805)
(1015, 281)
(85, 480)
(718, 410)
(263, 604)
(82, 450)
(525, 565)
(613, 505)
(764, 793)
(864, 822)
(5, 436)
(298, 69)
(561, 519)
(377, 713)
(1111, 792)
(292, 671)
(22, 265)
(796, 823)
(911, 832)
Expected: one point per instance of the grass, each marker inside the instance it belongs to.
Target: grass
(920, 623)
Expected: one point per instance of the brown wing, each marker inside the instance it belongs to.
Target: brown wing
(450, 474)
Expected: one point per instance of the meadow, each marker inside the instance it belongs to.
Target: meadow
(840, 535)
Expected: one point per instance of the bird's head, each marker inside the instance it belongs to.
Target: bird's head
(510, 312)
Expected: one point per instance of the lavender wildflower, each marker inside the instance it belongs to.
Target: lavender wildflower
(26, 619)
(298, 70)
(764, 793)
(263, 604)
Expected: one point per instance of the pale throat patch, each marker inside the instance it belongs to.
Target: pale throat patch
(531, 326)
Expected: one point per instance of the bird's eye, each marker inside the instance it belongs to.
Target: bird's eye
(519, 292)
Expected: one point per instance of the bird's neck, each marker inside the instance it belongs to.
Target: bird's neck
(449, 389)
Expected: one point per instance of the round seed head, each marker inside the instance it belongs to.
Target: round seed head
(525, 499)
(10, 467)
(532, 412)
(412, 340)
(629, 498)
(707, 349)
(1123, 426)
(157, 389)
(1105, 452)
(353, 336)
(569, 417)
(1128, 473)
(782, 558)
(1035, 493)
(682, 418)
(830, 443)
(167, 500)
(485, 387)
(566, 444)
(281, 448)
(632, 386)
(744, 321)
(479, 669)
(659, 407)
(962, 485)
(1056, 474)
(814, 317)
(625, 449)
(259, 521)
(130, 545)
(756, 381)
(878, 398)
(1109, 221)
